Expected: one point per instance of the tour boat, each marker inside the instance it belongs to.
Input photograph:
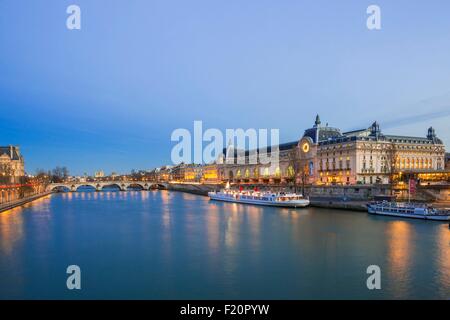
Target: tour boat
(281, 199)
(408, 210)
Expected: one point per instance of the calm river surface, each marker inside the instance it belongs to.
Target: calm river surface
(171, 245)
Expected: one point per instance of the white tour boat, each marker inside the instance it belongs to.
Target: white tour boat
(408, 210)
(292, 200)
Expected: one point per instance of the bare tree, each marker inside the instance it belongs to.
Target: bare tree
(59, 174)
(393, 166)
(295, 167)
(42, 176)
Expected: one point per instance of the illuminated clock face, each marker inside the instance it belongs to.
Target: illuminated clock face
(305, 147)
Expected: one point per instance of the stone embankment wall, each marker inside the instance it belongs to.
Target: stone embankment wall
(201, 189)
(16, 203)
(346, 193)
(11, 193)
(355, 193)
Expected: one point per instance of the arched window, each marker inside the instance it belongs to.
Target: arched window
(290, 172)
(277, 172)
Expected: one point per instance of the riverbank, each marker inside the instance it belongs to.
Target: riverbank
(319, 202)
(199, 189)
(322, 199)
(17, 203)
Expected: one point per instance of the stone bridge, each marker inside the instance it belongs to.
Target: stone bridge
(99, 185)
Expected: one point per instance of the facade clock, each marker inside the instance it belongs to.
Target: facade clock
(305, 147)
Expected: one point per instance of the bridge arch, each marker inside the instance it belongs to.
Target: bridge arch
(89, 185)
(157, 186)
(109, 185)
(59, 188)
(135, 186)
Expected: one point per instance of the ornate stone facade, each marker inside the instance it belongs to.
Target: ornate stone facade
(367, 156)
(11, 163)
(326, 156)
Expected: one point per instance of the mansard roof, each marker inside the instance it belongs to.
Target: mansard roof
(322, 133)
(281, 147)
(374, 134)
(11, 151)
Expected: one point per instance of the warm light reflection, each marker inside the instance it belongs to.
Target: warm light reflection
(165, 197)
(11, 223)
(399, 237)
(254, 216)
(11, 229)
(443, 267)
(399, 253)
(233, 221)
(213, 227)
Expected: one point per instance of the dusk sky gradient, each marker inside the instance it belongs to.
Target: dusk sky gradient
(108, 96)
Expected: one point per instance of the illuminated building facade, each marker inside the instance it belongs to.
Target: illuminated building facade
(326, 156)
(297, 160)
(193, 173)
(367, 156)
(99, 174)
(11, 163)
(211, 173)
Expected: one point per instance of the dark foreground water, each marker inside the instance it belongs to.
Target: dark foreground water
(170, 245)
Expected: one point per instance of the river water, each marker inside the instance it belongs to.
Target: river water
(172, 245)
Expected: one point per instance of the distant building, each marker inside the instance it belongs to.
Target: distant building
(211, 173)
(325, 156)
(193, 173)
(176, 173)
(99, 174)
(11, 163)
(163, 173)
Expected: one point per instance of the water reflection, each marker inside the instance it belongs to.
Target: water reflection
(213, 229)
(399, 237)
(443, 261)
(254, 216)
(11, 229)
(181, 246)
(233, 220)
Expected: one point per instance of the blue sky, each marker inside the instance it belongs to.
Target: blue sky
(109, 95)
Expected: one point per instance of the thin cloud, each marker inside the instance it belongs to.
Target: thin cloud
(413, 119)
